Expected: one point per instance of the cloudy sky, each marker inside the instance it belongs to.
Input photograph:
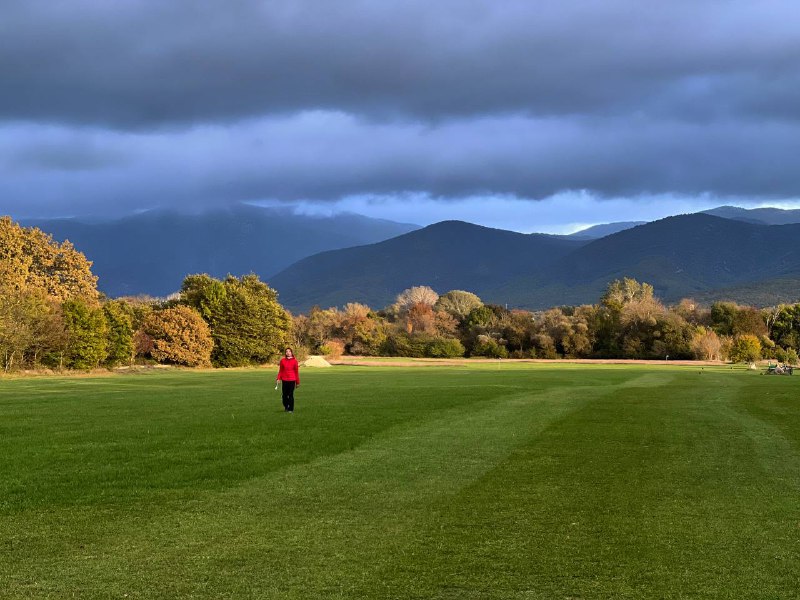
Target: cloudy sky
(529, 115)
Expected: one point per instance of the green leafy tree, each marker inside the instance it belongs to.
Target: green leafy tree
(672, 336)
(746, 348)
(786, 326)
(119, 316)
(86, 333)
(400, 343)
(723, 317)
(481, 316)
(633, 323)
(247, 322)
(30, 328)
(444, 348)
(489, 347)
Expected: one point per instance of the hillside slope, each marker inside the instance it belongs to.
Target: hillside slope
(681, 256)
(447, 255)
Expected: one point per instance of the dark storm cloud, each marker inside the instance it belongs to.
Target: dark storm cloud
(141, 103)
(138, 63)
(327, 156)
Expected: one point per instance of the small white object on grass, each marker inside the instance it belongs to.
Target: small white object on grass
(276, 385)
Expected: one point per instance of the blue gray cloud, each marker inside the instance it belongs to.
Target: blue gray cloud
(141, 103)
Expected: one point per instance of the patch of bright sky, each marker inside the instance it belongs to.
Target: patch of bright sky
(563, 213)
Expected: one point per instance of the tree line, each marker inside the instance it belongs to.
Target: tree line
(52, 316)
(627, 322)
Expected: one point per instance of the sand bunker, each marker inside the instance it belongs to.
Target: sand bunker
(316, 361)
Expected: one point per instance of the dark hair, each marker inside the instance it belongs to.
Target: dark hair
(289, 348)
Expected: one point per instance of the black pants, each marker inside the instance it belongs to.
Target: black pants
(287, 387)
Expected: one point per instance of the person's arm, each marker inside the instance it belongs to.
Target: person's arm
(297, 372)
(280, 368)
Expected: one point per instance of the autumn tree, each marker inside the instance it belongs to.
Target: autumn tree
(15, 263)
(37, 275)
(31, 328)
(692, 312)
(179, 336)
(559, 334)
(420, 318)
(622, 292)
(362, 330)
(31, 259)
(706, 344)
(746, 348)
(458, 303)
(415, 295)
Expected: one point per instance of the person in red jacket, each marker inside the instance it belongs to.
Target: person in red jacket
(289, 376)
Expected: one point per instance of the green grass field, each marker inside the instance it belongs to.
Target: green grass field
(482, 481)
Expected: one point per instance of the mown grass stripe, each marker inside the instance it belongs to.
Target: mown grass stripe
(502, 482)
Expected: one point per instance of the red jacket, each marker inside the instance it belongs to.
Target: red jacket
(289, 370)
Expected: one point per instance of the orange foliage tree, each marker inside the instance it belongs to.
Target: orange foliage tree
(179, 336)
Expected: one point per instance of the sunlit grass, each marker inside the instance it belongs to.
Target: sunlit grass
(479, 481)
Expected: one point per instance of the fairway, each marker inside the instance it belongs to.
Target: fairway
(483, 481)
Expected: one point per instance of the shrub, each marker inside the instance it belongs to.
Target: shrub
(791, 357)
(444, 348)
(402, 344)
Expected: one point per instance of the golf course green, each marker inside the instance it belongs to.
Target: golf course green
(502, 480)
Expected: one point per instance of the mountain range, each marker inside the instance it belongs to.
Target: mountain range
(152, 252)
(447, 255)
(681, 256)
(723, 253)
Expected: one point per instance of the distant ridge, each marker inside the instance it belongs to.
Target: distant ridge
(598, 231)
(447, 255)
(763, 216)
(680, 256)
(760, 216)
(727, 250)
(152, 252)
